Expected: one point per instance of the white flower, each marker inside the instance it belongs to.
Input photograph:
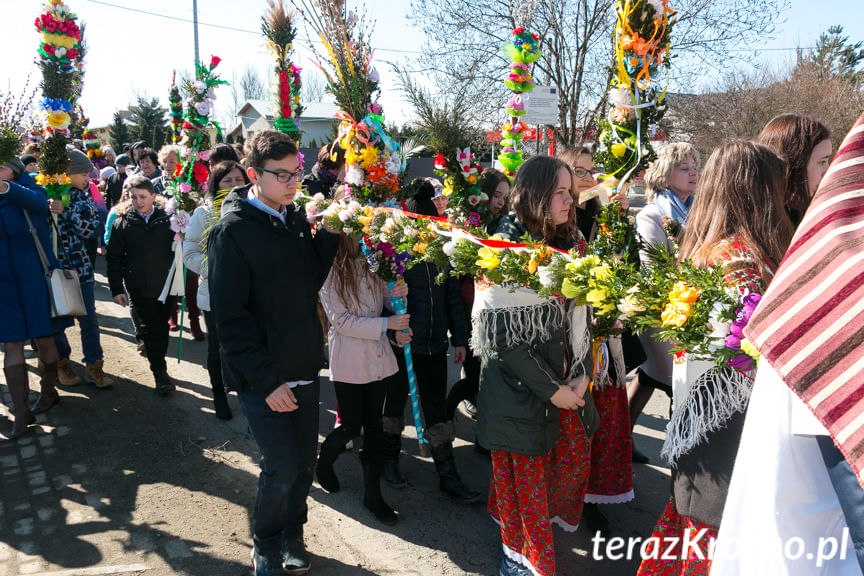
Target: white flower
(411, 232)
(394, 164)
(719, 328)
(353, 207)
(373, 75)
(355, 175)
(620, 97)
(347, 230)
(199, 86)
(449, 248)
(629, 304)
(170, 206)
(658, 6)
(344, 216)
(203, 108)
(545, 275)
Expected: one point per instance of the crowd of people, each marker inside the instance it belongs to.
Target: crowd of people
(271, 287)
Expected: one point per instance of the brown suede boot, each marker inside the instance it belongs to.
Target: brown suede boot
(48, 396)
(16, 380)
(65, 374)
(95, 375)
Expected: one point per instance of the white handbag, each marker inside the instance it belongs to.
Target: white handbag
(64, 288)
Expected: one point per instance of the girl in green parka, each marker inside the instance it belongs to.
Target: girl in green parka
(535, 356)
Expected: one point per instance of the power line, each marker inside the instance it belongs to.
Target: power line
(221, 26)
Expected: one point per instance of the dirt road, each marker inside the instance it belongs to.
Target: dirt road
(123, 481)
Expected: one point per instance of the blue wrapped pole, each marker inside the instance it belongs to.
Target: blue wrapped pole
(398, 304)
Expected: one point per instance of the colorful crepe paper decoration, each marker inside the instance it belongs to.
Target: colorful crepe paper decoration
(642, 41)
(522, 50)
(279, 30)
(175, 102)
(60, 54)
(374, 162)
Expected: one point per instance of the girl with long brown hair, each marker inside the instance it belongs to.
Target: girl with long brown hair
(805, 144)
(360, 360)
(527, 375)
(737, 221)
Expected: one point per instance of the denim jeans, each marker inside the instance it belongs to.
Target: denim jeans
(89, 325)
(849, 492)
(288, 442)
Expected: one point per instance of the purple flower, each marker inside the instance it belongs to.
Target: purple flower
(740, 362)
(386, 249)
(737, 329)
(733, 342)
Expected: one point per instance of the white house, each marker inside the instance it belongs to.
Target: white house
(316, 122)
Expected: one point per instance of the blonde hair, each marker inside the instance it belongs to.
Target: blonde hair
(668, 159)
(166, 150)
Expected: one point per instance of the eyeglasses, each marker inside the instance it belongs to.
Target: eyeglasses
(580, 172)
(283, 176)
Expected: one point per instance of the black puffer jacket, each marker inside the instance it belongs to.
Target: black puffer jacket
(435, 309)
(140, 253)
(264, 278)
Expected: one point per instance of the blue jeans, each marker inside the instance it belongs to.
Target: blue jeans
(288, 442)
(89, 325)
(849, 492)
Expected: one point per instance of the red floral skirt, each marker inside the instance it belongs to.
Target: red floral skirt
(569, 467)
(611, 478)
(519, 502)
(663, 557)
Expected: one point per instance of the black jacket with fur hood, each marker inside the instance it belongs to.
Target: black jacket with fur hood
(140, 253)
(264, 279)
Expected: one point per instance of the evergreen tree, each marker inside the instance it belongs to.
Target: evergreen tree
(146, 115)
(158, 137)
(119, 132)
(834, 55)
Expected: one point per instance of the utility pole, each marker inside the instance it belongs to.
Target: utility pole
(195, 25)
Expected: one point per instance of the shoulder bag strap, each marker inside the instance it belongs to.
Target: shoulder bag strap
(42, 257)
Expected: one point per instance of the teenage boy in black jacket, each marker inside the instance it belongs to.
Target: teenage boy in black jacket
(265, 270)
(139, 256)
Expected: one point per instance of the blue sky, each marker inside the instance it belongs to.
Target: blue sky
(134, 53)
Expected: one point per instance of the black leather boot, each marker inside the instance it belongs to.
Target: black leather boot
(441, 437)
(331, 448)
(372, 499)
(391, 447)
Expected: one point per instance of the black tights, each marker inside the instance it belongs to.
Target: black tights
(431, 372)
(360, 407)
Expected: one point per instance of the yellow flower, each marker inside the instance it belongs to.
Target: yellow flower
(58, 120)
(748, 348)
(676, 314)
(60, 40)
(597, 298)
(531, 266)
(351, 157)
(618, 149)
(570, 290)
(602, 272)
(683, 292)
(368, 156)
(43, 179)
(488, 258)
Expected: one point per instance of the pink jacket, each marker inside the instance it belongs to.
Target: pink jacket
(359, 350)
